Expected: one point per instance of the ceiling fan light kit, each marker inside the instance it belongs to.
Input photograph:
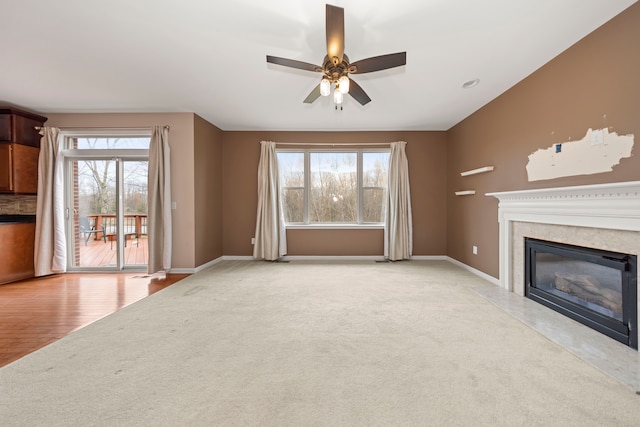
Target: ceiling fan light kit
(325, 87)
(343, 84)
(336, 67)
(337, 98)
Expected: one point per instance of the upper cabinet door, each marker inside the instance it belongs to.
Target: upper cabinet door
(19, 127)
(18, 169)
(25, 169)
(6, 168)
(19, 151)
(6, 127)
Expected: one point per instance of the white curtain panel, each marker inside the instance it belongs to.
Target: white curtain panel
(159, 203)
(270, 237)
(50, 242)
(398, 231)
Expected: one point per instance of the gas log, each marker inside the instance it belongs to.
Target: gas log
(589, 289)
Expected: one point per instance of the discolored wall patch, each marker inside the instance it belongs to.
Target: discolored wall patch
(599, 151)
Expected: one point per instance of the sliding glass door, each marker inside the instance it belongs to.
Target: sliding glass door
(106, 209)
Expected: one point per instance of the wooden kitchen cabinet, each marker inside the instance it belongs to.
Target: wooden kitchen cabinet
(16, 251)
(19, 151)
(18, 169)
(19, 126)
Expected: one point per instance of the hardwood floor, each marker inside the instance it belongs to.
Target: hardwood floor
(37, 312)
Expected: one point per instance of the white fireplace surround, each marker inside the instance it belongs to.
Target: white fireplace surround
(605, 216)
(614, 206)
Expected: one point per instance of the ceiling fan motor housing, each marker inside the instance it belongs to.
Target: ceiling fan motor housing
(334, 71)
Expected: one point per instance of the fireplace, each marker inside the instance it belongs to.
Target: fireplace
(595, 287)
(605, 216)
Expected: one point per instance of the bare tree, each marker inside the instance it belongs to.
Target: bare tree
(99, 177)
(98, 170)
(333, 187)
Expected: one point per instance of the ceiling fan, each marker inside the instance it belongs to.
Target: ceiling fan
(336, 66)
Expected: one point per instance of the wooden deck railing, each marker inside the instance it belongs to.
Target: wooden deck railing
(134, 224)
(92, 250)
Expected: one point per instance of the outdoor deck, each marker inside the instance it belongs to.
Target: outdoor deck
(98, 253)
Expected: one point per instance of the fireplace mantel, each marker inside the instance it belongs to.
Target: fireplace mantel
(614, 206)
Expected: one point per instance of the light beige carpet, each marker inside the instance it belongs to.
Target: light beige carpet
(339, 344)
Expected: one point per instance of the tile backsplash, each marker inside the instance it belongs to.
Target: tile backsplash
(17, 205)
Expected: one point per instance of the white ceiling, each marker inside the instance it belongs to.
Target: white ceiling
(209, 57)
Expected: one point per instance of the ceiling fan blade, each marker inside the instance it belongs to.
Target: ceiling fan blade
(315, 94)
(293, 63)
(335, 33)
(377, 63)
(358, 93)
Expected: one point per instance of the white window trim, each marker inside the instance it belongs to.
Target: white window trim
(106, 133)
(333, 226)
(104, 153)
(136, 154)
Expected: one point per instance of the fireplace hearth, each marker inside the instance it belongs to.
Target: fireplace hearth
(595, 287)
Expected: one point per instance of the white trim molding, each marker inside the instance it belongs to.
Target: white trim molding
(475, 271)
(198, 268)
(614, 206)
(374, 258)
(333, 258)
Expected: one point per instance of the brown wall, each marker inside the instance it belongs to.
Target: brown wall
(594, 84)
(208, 191)
(426, 152)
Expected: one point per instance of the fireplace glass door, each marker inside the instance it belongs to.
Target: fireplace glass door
(592, 286)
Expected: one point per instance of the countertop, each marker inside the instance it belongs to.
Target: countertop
(17, 219)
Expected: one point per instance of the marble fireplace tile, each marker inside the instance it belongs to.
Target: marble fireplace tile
(604, 353)
(623, 241)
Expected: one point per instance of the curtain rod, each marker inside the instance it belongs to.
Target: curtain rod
(101, 128)
(333, 144)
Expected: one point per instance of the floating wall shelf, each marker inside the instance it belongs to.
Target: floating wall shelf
(465, 193)
(479, 170)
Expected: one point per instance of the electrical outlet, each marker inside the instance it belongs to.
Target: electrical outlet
(253, 240)
(475, 250)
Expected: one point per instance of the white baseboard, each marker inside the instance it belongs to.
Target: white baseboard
(331, 258)
(478, 273)
(209, 264)
(198, 268)
(359, 258)
(429, 258)
(182, 271)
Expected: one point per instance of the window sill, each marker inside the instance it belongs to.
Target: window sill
(335, 227)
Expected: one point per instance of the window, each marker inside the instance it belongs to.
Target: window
(109, 143)
(333, 187)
